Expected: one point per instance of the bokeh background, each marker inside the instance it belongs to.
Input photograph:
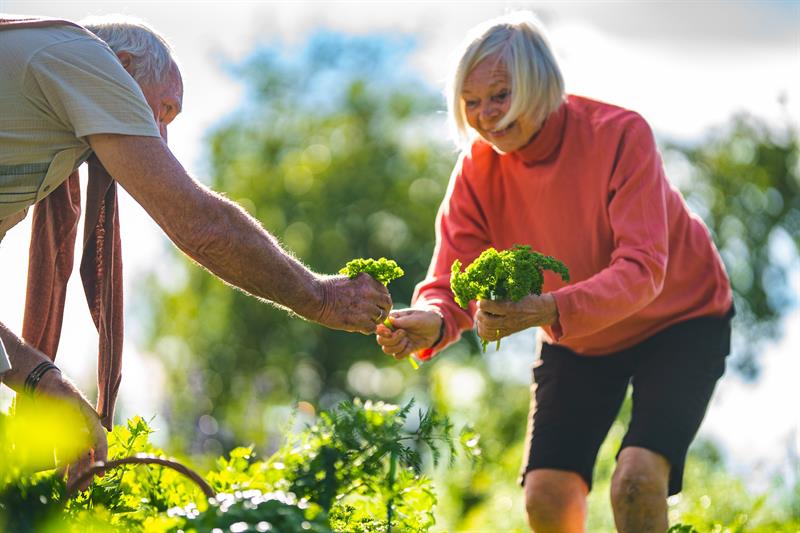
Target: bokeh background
(326, 121)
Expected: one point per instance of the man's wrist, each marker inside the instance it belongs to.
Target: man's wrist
(55, 385)
(323, 299)
(40, 372)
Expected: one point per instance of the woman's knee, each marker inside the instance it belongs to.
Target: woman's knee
(555, 501)
(640, 475)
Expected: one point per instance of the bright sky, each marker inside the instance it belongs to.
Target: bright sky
(685, 66)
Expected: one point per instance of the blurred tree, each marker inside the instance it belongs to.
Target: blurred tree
(745, 183)
(339, 152)
(336, 154)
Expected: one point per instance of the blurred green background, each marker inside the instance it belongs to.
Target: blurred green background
(335, 141)
(336, 153)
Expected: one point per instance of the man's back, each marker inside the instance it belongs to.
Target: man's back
(59, 85)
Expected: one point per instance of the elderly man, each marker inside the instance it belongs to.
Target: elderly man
(67, 96)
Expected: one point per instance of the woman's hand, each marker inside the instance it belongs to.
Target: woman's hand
(414, 330)
(497, 319)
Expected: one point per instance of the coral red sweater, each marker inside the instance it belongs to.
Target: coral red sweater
(589, 190)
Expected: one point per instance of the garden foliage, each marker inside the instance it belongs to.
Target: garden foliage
(358, 468)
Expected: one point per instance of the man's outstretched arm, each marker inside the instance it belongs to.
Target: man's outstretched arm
(223, 238)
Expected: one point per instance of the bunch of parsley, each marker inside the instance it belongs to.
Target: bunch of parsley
(383, 270)
(506, 275)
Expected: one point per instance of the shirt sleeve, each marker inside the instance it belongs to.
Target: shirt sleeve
(5, 364)
(84, 86)
(637, 211)
(461, 233)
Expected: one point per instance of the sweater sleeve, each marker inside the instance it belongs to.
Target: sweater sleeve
(461, 233)
(637, 212)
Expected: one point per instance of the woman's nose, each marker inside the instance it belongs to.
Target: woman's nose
(490, 111)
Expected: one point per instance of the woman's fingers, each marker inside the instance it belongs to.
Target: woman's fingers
(414, 329)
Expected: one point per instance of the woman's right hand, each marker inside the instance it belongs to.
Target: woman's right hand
(414, 330)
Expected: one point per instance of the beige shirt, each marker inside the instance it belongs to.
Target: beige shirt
(59, 84)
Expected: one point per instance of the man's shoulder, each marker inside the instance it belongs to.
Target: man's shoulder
(41, 30)
(21, 43)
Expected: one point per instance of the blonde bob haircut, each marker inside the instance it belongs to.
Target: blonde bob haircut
(518, 41)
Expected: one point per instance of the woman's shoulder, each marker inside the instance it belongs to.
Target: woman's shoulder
(480, 155)
(476, 164)
(604, 117)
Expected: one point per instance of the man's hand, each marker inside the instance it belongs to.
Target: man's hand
(414, 330)
(55, 387)
(497, 319)
(356, 304)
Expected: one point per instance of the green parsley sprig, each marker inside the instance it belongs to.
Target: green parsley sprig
(383, 270)
(506, 275)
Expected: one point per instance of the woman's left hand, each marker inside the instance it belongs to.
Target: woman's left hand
(500, 318)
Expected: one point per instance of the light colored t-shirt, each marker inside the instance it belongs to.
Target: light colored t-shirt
(59, 84)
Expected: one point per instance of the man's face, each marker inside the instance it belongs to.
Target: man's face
(165, 99)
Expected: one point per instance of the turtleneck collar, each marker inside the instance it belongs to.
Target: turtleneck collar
(547, 140)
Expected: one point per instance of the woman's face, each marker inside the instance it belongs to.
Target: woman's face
(487, 96)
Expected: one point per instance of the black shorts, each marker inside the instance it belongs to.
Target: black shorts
(575, 399)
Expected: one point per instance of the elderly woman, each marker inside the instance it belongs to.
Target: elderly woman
(649, 302)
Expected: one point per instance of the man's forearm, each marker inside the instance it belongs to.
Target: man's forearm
(24, 358)
(212, 230)
(234, 246)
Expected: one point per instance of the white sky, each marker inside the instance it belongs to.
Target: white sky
(685, 66)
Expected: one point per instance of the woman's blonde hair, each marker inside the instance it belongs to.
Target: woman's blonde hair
(519, 42)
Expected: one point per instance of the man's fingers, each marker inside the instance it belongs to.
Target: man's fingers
(78, 468)
(380, 296)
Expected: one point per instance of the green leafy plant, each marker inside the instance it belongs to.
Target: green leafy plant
(682, 528)
(506, 275)
(383, 270)
(357, 469)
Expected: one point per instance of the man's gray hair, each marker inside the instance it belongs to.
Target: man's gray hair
(153, 57)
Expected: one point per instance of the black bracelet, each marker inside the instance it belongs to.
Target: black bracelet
(33, 379)
(441, 331)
